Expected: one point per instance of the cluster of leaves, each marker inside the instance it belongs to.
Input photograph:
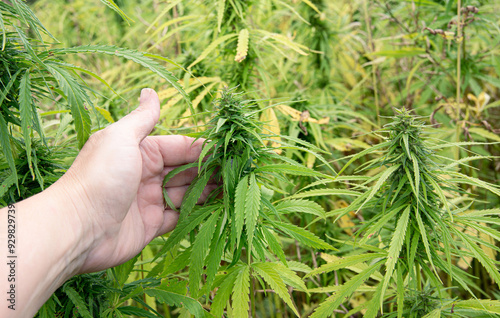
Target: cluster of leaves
(410, 211)
(31, 73)
(342, 63)
(49, 162)
(239, 226)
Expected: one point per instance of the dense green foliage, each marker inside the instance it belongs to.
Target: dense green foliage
(357, 153)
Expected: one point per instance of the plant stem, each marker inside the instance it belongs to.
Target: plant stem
(419, 277)
(252, 297)
(459, 49)
(252, 287)
(374, 66)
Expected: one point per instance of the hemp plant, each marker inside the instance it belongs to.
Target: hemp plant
(236, 229)
(418, 224)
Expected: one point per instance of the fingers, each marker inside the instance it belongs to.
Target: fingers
(170, 219)
(178, 150)
(184, 178)
(142, 120)
(176, 194)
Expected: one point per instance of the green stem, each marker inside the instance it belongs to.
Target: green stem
(419, 277)
(459, 49)
(252, 287)
(252, 297)
(374, 67)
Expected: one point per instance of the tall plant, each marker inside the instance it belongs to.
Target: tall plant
(33, 73)
(236, 229)
(416, 230)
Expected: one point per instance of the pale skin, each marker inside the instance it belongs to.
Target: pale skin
(104, 210)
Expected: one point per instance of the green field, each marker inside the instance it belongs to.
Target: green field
(356, 142)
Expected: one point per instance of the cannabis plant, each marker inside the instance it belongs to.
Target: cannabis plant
(49, 163)
(235, 232)
(418, 224)
(32, 73)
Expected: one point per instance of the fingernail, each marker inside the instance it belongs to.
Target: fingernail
(145, 92)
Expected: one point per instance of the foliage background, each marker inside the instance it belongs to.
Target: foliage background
(335, 69)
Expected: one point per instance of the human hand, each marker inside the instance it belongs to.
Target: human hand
(102, 212)
(116, 185)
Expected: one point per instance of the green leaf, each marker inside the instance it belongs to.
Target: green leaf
(220, 12)
(290, 277)
(484, 133)
(25, 109)
(395, 248)
(206, 148)
(327, 307)
(407, 146)
(481, 256)
(301, 206)
(269, 272)
(400, 291)
(436, 313)
(112, 5)
(343, 262)
(241, 292)
(323, 192)
(475, 182)
(186, 226)
(80, 69)
(30, 18)
(440, 194)
(123, 271)
(274, 244)
(252, 209)
(199, 253)
(375, 227)
(194, 192)
(4, 187)
(223, 293)
(363, 153)
(169, 176)
(136, 311)
(297, 170)
(312, 5)
(284, 40)
(220, 123)
(215, 255)
(303, 236)
(77, 300)
(134, 56)
(416, 172)
(423, 234)
(179, 262)
(212, 47)
(5, 142)
(239, 207)
(373, 306)
(76, 97)
(484, 305)
(383, 177)
(298, 267)
(173, 299)
(163, 12)
(405, 52)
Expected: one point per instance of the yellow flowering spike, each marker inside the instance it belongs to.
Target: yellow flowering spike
(301, 116)
(242, 49)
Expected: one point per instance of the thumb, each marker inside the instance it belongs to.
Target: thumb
(142, 120)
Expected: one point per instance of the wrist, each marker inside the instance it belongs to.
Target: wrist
(51, 235)
(71, 206)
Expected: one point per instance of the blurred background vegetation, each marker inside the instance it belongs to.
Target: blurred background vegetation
(335, 71)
